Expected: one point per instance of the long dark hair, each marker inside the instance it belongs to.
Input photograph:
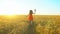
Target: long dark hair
(31, 12)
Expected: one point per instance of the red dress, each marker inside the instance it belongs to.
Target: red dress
(30, 17)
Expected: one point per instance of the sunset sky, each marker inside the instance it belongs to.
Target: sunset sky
(43, 7)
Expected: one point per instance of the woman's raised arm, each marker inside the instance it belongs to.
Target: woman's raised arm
(34, 11)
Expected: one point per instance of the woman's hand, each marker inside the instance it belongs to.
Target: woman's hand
(35, 11)
(26, 15)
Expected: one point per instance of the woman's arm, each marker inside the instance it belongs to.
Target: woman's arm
(26, 15)
(35, 11)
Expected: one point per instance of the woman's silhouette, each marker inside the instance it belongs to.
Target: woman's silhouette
(31, 24)
(30, 16)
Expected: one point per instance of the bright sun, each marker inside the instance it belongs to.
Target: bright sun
(11, 8)
(7, 13)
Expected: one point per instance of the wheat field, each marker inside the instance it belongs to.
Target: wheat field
(43, 24)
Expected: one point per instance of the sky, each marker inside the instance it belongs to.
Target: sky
(43, 7)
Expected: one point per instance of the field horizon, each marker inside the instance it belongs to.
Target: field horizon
(18, 24)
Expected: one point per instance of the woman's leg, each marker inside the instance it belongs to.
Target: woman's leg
(31, 22)
(31, 27)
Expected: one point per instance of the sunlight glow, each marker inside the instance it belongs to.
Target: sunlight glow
(22, 7)
(11, 8)
(7, 13)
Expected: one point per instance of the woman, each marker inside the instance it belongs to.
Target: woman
(30, 17)
(31, 24)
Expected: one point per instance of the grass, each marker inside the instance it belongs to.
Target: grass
(44, 24)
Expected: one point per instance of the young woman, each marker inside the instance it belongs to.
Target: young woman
(31, 24)
(30, 17)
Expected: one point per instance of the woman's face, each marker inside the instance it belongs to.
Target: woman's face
(31, 12)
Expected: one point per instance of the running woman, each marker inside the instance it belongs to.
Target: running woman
(30, 16)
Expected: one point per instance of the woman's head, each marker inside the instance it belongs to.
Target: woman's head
(31, 12)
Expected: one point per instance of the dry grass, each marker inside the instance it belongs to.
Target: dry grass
(44, 24)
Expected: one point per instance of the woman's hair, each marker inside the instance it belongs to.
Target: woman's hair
(31, 12)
